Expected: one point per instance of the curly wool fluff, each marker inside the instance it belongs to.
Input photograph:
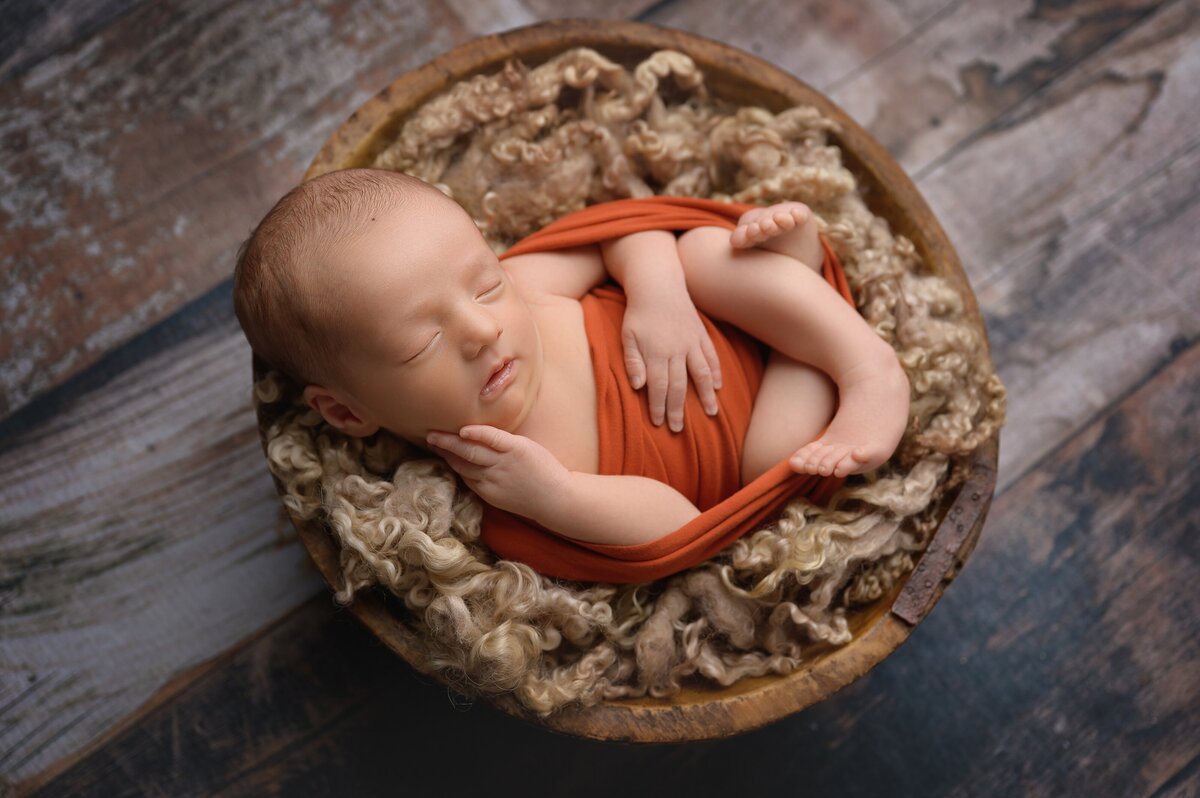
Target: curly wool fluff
(519, 149)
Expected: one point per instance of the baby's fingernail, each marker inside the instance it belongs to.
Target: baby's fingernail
(711, 410)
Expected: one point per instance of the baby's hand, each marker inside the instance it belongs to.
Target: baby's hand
(508, 471)
(666, 338)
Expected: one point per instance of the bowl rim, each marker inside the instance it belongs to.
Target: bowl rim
(695, 713)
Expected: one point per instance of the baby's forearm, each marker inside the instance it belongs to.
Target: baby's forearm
(645, 263)
(616, 509)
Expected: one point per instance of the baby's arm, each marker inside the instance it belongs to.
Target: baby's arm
(517, 474)
(616, 509)
(662, 336)
(646, 264)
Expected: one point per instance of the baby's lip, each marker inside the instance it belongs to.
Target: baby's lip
(499, 367)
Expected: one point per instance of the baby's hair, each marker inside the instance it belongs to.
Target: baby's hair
(285, 291)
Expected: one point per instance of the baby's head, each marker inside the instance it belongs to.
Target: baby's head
(377, 293)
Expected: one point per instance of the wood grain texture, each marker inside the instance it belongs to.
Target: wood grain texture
(1076, 328)
(1088, 138)
(822, 44)
(995, 688)
(33, 31)
(1007, 689)
(135, 544)
(980, 60)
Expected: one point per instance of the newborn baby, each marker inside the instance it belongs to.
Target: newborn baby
(379, 294)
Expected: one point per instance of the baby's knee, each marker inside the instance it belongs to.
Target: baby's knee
(704, 255)
(702, 245)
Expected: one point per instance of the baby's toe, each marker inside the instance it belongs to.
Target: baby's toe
(803, 458)
(784, 220)
(845, 466)
(870, 457)
(827, 462)
(816, 458)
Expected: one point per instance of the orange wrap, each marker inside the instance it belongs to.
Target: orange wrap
(703, 462)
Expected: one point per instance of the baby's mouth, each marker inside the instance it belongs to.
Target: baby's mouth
(500, 370)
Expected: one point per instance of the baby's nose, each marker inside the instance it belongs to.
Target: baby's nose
(485, 330)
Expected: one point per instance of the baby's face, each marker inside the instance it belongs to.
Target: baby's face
(434, 313)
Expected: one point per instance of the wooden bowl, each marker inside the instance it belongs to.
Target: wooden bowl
(696, 713)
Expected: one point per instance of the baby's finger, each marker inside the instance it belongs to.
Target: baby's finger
(634, 364)
(714, 362)
(702, 376)
(656, 382)
(676, 392)
(466, 469)
(474, 453)
(496, 438)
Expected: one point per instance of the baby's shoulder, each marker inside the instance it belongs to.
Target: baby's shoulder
(568, 273)
(537, 298)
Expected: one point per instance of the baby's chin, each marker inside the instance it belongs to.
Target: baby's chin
(418, 439)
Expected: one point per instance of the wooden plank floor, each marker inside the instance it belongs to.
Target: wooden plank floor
(162, 632)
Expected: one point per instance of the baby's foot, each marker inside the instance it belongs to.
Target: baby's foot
(870, 420)
(786, 227)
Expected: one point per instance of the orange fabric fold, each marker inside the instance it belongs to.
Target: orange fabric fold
(703, 461)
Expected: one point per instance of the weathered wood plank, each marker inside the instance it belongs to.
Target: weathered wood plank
(135, 164)
(981, 58)
(820, 43)
(927, 11)
(1088, 137)
(176, 425)
(1082, 621)
(146, 532)
(32, 30)
(1065, 654)
(1075, 328)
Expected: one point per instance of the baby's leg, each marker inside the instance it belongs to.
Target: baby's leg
(794, 403)
(788, 306)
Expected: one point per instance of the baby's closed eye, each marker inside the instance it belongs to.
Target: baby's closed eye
(493, 290)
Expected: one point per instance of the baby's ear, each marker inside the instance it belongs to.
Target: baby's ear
(336, 413)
